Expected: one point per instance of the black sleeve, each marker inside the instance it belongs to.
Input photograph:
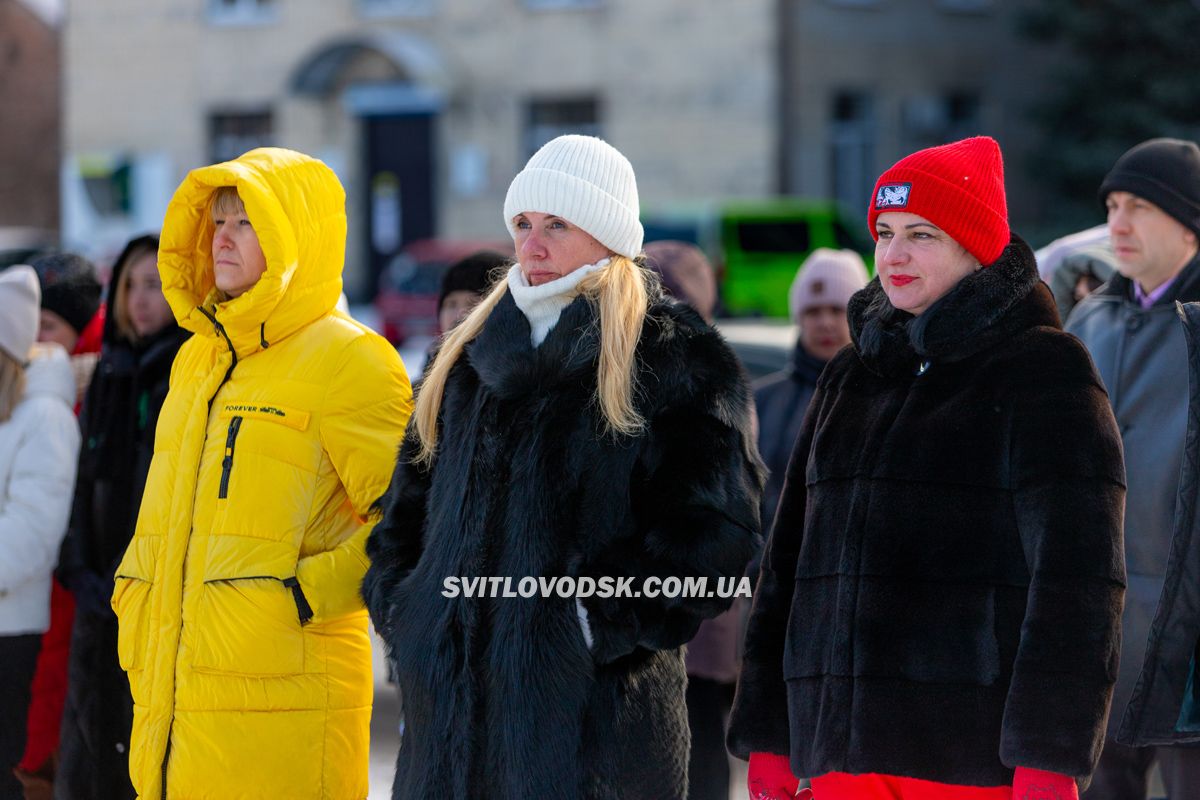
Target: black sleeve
(1068, 492)
(759, 721)
(694, 494)
(73, 554)
(396, 542)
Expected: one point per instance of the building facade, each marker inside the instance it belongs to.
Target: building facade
(865, 82)
(29, 135)
(424, 108)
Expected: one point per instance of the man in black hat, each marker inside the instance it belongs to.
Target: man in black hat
(1131, 329)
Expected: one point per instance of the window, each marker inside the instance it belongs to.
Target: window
(232, 133)
(784, 236)
(935, 119)
(852, 149)
(396, 8)
(557, 4)
(555, 117)
(242, 12)
(107, 180)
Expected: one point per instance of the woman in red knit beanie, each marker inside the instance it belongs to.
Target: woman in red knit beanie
(937, 614)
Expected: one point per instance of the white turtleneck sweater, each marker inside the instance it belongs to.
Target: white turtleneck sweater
(543, 305)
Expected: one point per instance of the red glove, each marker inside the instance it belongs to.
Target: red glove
(771, 778)
(1036, 784)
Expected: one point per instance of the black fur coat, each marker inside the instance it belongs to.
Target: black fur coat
(941, 594)
(502, 696)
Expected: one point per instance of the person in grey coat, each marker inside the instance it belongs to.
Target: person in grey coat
(1133, 334)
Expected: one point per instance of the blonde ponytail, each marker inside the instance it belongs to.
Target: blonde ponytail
(621, 296)
(620, 293)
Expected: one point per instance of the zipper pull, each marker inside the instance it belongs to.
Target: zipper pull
(302, 607)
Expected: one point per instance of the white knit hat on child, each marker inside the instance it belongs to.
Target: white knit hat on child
(826, 278)
(587, 182)
(20, 301)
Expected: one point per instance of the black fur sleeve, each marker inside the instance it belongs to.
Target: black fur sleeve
(1068, 492)
(759, 720)
(396, 542)
(695, 493)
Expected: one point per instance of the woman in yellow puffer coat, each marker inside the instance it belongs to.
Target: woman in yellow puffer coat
(241, 625)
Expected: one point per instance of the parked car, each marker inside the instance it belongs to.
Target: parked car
(756, 245)
(409, 286)
(762, 345)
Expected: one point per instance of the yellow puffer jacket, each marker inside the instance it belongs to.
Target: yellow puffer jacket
(280, 430)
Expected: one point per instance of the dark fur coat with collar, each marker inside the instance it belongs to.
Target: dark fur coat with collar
(941, 594)
(503, 698)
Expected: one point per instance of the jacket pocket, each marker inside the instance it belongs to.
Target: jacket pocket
(248, 625)
(131, 601)
(248, 619)
(131, 597)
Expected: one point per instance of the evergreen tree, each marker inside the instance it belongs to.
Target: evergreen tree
(1130, 72)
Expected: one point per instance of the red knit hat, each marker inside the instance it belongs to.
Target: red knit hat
(958, 186)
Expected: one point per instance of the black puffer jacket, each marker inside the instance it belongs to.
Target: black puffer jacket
(941, 594)
(502, 697)
(119, 415)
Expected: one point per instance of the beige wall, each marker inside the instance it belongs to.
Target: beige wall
(686, 88)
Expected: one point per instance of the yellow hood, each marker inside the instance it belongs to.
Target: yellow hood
(298, 209)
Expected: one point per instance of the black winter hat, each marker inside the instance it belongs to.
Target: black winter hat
(1164, 171)
(69, 287)
(472, 274)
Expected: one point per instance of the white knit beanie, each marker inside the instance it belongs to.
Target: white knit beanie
(587, 182)
(826, 278)
(20, 301)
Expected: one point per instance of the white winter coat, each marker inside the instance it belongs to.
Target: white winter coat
(39, 449)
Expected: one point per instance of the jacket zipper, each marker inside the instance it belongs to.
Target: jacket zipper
(235, 425)
(166, 758)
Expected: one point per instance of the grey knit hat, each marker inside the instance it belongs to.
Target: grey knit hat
(20, 298)
(587, 182)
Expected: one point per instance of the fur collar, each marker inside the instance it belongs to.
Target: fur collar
(985, 308)
(507, 362)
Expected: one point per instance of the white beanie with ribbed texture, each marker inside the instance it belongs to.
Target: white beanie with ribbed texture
(20, 302)
(587, 182)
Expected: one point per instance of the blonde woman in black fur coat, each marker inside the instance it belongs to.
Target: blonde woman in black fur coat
(938, 610)
(575, 425)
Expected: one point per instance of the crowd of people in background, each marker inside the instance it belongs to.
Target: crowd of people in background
(965, 503)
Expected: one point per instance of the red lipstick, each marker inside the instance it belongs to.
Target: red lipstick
(901, 280)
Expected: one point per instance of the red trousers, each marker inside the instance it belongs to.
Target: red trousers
(50, 682)
(840, 786)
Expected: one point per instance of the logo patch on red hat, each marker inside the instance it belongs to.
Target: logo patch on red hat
(892, 195)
